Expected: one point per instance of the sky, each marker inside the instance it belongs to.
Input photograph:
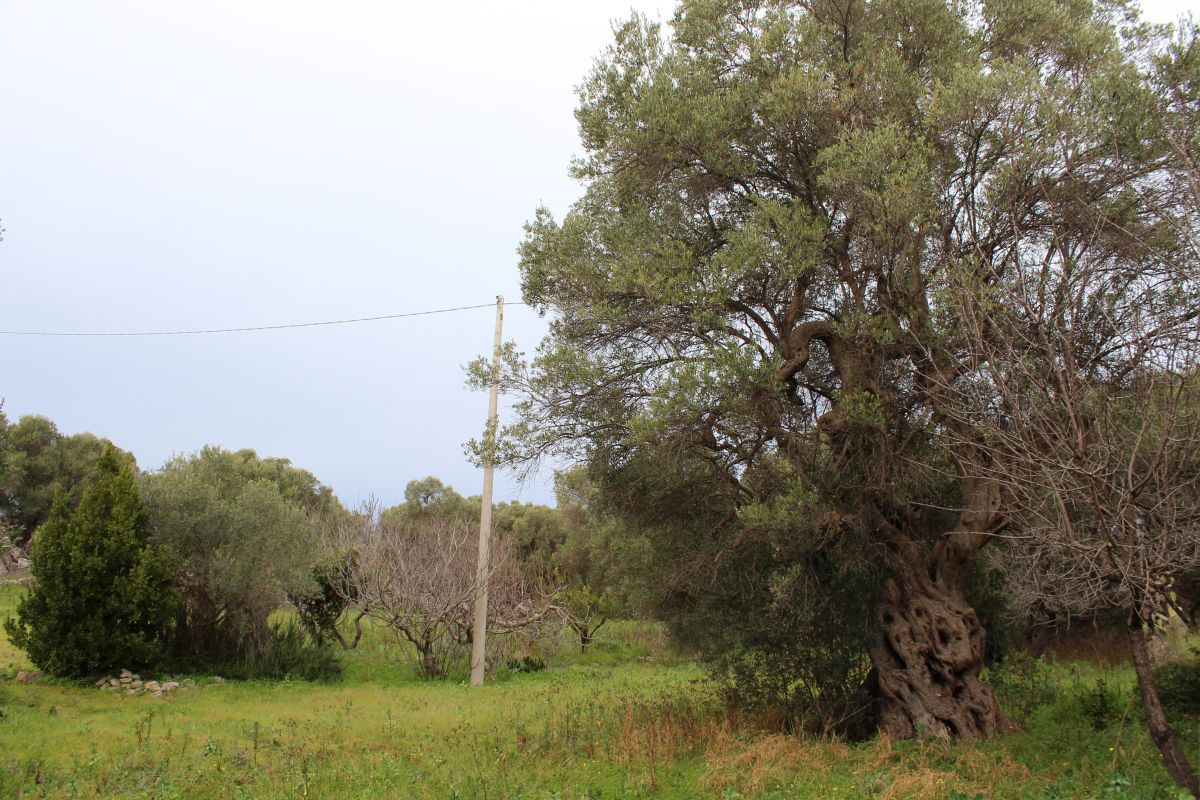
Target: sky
(229, 163)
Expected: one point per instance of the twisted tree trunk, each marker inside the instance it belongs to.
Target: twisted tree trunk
(930, 649)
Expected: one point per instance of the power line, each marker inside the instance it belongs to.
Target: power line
(253, 327)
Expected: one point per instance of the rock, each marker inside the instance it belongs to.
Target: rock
(13, 560)
(102, 683)
(218, 679)
(158, 693)
(170, 686)
(151, 686)
(25, 677)
(137, 683)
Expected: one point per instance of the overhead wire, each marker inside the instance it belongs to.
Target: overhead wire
(249, 328)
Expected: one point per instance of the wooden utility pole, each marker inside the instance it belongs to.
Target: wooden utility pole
(483, 569)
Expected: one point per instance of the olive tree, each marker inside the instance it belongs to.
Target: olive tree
(748, 332)
(241, 532)
(38, 462)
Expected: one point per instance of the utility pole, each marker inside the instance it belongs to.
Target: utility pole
(483, 569)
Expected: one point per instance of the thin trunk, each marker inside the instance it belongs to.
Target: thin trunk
(352, 643)
(1174, 759)
(930, 650)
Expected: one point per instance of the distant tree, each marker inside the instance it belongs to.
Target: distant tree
(5, 461)
(585, 612)
(429, 498)
(598, 550)
(103, 596)
(535, 532)
(41, 463)
(240, 531)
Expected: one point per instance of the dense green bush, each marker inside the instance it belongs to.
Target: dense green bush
(319, 607)
(1023, 684)
(240, 533)
(103, 597)
(1179, 688)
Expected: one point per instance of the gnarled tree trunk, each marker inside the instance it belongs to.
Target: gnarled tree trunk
(930, 649)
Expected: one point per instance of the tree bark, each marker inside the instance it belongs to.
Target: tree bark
(1174, 759)
(930, 649)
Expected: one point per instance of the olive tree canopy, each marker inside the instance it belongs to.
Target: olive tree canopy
(749, 338)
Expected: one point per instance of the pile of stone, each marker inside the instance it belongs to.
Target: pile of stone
(26, 678)
(132, 683)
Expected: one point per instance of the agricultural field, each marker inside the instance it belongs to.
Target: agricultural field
(630, 718)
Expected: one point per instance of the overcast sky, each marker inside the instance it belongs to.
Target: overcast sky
(241, 162)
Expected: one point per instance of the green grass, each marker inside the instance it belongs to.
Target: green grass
(628, 719)
(11, 659)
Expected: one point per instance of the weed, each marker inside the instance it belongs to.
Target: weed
(1100, 705)
(1024, 684)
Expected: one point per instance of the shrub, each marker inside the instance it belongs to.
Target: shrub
(1023, 685)
(1100, 705)
(288, 654)
(103, 597)
(526, 664)
(319, 607)
(1179, 688)
(240, 539)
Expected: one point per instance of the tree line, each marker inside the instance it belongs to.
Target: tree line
(184, 567)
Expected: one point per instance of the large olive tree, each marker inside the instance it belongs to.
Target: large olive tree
(749, 338)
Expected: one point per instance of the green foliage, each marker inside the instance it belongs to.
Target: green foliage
(1101, 705)
(526, 664)
(288, 654)
(1179, 688)
(536, 533)
(1023, 684)
(38, 463)
(320, 605)
(586, 611)
(240, 532)
(989, 593)
(429, 498)
(103, 597)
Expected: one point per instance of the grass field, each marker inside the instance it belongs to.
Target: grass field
(628, 720)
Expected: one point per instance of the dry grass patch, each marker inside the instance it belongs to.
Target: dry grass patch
(756, 761)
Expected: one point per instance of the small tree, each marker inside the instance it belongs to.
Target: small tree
(418, 577)
(320, 607)
(585, 612)
(103, 596)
